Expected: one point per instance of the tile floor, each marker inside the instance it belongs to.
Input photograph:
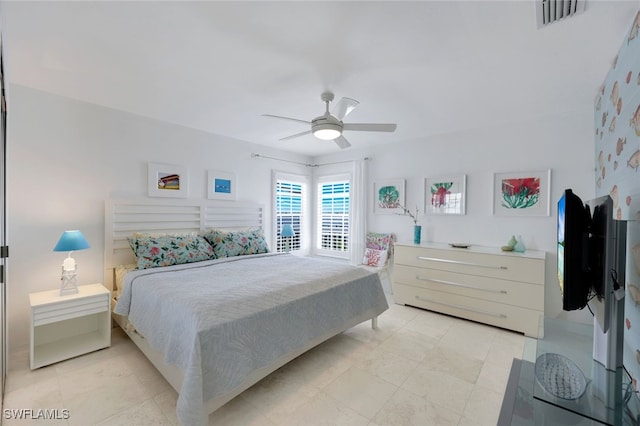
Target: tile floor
(417, 368)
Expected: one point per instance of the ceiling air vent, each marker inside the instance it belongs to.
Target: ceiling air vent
(550, 11)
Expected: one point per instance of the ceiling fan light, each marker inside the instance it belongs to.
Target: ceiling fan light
(326, 132)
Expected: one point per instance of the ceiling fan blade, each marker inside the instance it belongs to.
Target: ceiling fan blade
(308, 132)
(342, 142)
(343, 107)
(287, 118)
(370, 127)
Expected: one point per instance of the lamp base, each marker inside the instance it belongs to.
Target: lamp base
(68, 283)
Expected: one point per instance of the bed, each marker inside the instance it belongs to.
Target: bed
(215, 327)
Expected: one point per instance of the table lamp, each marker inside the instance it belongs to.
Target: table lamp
(287, 232)
(70, 241)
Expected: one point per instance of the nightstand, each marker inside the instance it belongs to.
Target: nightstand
(63, 327)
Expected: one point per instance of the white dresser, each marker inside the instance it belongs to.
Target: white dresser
(482, 284)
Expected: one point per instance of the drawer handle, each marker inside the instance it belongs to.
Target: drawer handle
(458, 262)
(488, 290)
(464, 308)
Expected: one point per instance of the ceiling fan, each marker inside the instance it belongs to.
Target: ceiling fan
(329, 126)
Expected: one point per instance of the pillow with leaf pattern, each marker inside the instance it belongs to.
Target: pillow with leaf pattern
(237, 243)
(164, 250)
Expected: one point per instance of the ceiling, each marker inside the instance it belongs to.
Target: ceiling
(432, 67)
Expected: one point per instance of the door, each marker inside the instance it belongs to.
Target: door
(4, 249)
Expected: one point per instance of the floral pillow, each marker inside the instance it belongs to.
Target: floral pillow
(164, 250)
(237, 243)
(373, 257)
(379, 241)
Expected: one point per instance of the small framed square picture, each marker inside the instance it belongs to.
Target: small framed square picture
(221, 185)
(166, 180)
(388, 196)
(445, 195)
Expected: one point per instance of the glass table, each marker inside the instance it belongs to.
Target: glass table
(545, 395)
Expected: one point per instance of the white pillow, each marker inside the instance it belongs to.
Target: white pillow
(373, 257)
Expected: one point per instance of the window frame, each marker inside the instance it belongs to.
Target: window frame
(302, 229)
(318, 233)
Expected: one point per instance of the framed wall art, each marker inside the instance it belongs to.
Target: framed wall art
(166, 180)
(221, 185)
(388, 196)
(521, 193)
(445, 195)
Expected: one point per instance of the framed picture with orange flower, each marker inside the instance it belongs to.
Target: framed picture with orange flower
(445, 195)
(521, 193)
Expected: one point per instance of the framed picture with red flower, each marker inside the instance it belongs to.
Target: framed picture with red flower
(445, 195)
(521, 193)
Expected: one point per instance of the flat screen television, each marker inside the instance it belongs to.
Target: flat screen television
(591, 249)
(573, 243)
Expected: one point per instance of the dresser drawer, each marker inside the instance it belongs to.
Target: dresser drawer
(506, 267)
(45, 314)
(486, 288)
(516, 318)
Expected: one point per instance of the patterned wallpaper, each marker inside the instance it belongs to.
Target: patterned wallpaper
(617, 127)
(617, 154)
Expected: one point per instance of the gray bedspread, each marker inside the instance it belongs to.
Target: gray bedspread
(219, 320)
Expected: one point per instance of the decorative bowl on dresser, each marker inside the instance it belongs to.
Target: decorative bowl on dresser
(483, 284)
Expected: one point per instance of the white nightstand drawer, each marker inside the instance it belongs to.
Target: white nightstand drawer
(69, 309)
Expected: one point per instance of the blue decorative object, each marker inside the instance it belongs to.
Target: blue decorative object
(287, 232)
(70, 241)
(417, 234)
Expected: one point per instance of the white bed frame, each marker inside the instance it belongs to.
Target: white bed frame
(124, 217)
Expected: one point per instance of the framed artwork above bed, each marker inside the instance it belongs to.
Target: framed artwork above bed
(221, 185)
(167, 180)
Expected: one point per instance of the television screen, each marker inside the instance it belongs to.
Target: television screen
(573, 221)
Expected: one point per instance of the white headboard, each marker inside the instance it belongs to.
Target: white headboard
(124, 217)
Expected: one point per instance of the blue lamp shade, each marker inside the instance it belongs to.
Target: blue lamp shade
(71, 241)
(287, 231)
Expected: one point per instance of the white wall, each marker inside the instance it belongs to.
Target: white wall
(564, 144)
(66, 157)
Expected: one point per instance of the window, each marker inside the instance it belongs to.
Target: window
(289, 201)
(333, 216)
